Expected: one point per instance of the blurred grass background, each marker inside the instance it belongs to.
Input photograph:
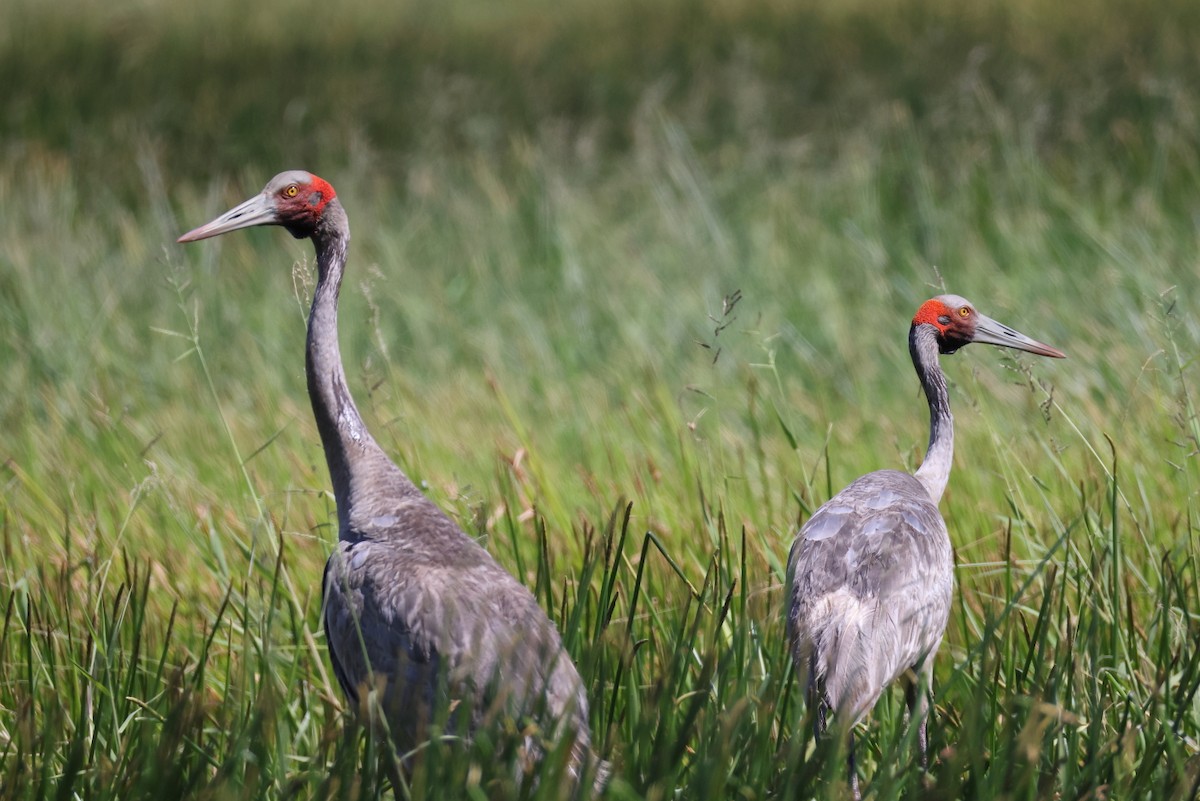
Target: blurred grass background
(553, 206)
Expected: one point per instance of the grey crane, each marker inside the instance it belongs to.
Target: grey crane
(872, 571)
(416, 612)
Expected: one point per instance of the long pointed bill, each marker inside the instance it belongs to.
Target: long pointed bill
(991, 332)
(258, 210)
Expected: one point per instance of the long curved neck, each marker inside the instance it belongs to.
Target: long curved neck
(935, 470)
(347, 443)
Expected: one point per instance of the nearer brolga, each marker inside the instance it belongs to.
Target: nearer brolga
(872, 571)
(414, 609)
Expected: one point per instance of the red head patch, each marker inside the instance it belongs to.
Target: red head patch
(319, 192)
(934, 312)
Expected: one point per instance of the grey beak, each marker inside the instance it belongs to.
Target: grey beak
(991, 332)
(258, 210)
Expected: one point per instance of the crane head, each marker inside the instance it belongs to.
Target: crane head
(958, 323)
(294, 199)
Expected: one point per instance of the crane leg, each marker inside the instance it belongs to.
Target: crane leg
(919, 694)
(850, 764)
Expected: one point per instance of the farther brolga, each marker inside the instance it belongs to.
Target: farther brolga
(872, 571)
(417, 614)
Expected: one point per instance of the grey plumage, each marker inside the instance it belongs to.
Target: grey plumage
(871, 574)
(873, 577)
(444, 611)
(417, 614)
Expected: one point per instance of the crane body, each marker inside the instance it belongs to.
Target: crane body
(417, 614)
(871, 573)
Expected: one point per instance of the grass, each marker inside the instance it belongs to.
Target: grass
(628, 293)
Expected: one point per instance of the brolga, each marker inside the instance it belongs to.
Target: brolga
(420, 619)
(872, 571)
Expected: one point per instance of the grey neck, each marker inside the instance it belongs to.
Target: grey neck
(347, 443)
(934, 472)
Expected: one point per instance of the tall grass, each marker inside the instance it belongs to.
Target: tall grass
(628, 297)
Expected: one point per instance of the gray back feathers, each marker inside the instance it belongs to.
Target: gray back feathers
(871, 577)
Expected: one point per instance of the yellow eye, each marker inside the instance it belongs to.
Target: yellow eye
(292, 191)
(964, 311)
